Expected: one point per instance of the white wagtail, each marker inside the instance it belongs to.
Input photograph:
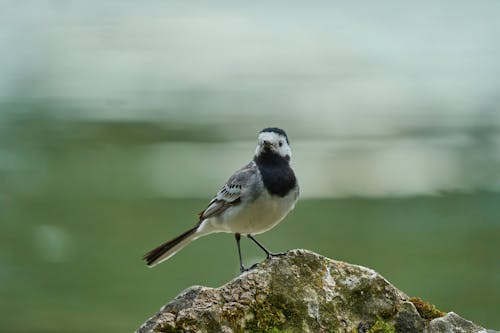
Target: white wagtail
(253, 200)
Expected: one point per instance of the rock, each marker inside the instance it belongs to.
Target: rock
(304, 292)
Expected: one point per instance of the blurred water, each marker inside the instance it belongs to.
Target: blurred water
(118, 122)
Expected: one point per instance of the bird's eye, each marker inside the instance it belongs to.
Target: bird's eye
(281, 143)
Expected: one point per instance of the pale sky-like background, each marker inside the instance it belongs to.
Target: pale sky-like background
(385, 98)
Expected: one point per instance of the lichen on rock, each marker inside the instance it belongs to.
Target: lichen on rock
(303, 292)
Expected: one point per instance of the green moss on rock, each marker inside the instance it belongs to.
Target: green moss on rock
(426, 310)
(275, 314)
(382, 326)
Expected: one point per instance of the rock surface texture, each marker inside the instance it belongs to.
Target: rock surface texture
(304, 292)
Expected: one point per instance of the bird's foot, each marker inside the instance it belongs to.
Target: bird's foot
(270, 255)
(243, 269)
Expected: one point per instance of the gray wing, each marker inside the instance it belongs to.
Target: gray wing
(230, 194)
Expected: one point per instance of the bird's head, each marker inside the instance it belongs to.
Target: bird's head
(273, 140)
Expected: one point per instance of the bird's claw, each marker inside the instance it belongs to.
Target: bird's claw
(243, 269)
(270, 255)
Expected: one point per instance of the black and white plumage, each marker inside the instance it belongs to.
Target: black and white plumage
(253, 200)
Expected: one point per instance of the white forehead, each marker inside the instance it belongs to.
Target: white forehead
(271, 136)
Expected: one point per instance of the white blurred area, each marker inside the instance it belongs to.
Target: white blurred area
(379, 98)
(327, 169)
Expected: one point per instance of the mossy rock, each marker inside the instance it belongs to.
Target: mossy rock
(303, 292)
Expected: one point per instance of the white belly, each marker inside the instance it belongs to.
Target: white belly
(256, 217)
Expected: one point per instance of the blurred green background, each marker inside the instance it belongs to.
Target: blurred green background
(119, 121)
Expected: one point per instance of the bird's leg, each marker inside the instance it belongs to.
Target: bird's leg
(238, 237)
(268, 253)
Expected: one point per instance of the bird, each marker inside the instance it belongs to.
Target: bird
(253, 200)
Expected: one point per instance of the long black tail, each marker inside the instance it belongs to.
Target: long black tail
(168, 249)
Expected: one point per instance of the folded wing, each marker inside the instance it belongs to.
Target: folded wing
(230, 194)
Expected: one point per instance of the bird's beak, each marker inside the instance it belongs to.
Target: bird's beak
(267, 145)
